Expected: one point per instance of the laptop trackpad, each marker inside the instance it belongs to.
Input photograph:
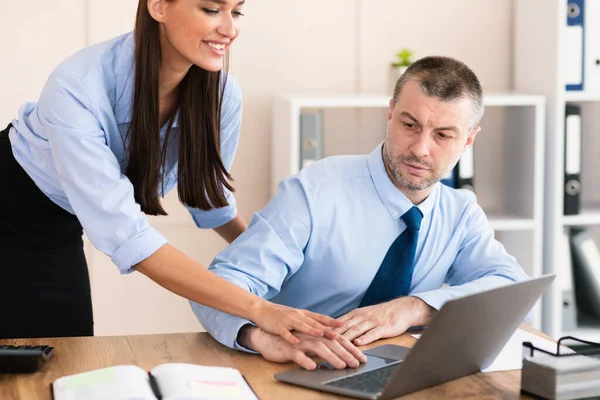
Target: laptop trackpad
(378, 357)
(391, 351)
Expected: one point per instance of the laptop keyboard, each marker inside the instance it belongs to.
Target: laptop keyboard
(368, 382)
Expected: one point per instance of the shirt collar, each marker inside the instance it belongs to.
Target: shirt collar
(392, 198)
(124, 81)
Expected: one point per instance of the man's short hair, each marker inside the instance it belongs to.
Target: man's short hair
(446, 79)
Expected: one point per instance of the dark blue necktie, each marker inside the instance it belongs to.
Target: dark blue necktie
(395, 273)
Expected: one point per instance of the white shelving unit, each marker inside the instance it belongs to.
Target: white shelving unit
(540, 54)
(588, 216)
(589, 332)
(509, 158)
(577, 97)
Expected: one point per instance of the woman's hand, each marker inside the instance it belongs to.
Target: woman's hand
(281, 320)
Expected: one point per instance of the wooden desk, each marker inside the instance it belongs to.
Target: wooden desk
(74, 355)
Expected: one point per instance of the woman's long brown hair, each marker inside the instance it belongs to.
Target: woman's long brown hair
(202, 176)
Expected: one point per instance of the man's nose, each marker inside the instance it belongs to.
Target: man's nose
(420, 146)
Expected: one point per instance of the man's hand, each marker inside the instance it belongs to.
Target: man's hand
(367, 324)
(339, 352)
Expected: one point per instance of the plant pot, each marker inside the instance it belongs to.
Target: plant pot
(398, 71)
(395, 74)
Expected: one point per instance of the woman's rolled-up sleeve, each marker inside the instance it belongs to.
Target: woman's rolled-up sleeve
(90, 175)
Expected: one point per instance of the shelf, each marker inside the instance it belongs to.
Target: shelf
(538, 56)
(581, 96)
(504, 99)
(500, 222)
(491, 99)
(587, 216)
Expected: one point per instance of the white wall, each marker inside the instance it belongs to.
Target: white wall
(338, 46)
(34, 38)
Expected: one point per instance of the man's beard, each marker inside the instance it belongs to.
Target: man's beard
(394, 166)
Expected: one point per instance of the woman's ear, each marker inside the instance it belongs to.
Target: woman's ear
(156, 9)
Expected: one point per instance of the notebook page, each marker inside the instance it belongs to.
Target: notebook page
(179, 381)
(123, 382)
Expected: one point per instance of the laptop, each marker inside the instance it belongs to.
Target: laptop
(466, 336)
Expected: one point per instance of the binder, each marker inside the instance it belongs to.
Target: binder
(586, 271)
(449, 178)
(572, 179)
(311, 138)
(573, 45)
(569, 306)
(464, 171)
(592, 46)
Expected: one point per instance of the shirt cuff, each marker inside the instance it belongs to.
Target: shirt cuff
(237, 346)
(215, 217)
(222, 327)
(137, 249)
(229, 335)
(434, 298)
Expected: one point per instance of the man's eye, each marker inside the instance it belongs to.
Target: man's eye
(210, 11)
(443, 136)
(409, 125)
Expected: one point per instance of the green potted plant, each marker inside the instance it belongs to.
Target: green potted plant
(403, 60)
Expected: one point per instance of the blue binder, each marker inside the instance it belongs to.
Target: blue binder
(575, 45)
(450, 178)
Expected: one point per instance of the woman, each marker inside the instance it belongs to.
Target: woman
(116, 126)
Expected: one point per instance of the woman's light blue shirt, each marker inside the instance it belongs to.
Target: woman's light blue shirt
(72, 144)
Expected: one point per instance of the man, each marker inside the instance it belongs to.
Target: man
(372, 239)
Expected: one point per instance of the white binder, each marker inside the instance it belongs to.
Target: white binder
(565, 273)
(311, 138)
(466, 170)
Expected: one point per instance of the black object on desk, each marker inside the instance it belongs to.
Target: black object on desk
(17, 359)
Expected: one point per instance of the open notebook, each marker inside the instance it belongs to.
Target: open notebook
(171, 381)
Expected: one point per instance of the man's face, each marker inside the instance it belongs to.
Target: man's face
(426, 137)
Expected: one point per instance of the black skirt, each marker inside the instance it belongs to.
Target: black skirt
(44, 280)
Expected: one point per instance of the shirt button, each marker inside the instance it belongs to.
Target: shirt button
(395, 213)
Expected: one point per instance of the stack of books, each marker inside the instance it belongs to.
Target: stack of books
(570, 375)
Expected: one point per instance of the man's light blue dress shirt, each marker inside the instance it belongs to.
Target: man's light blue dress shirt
(72, 144)
(320, 241)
